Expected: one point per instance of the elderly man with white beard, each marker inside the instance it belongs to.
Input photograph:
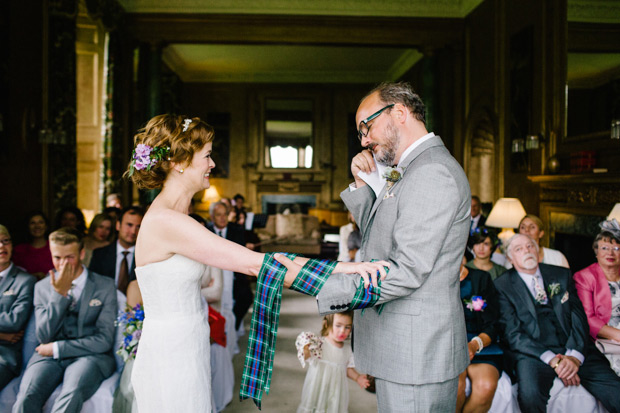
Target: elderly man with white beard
(545, 331)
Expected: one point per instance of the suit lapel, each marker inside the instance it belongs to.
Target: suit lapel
(523, 292)
(8, 280)
(87, 292)
(434, 141)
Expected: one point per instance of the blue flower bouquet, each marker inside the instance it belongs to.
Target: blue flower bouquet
(131, 319)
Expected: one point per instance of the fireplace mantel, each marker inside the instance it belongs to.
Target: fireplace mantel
(571, 206)
(592, 191)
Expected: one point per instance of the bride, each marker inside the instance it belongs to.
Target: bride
(172, 368)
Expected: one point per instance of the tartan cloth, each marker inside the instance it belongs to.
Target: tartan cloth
(367, 297)
(312, 276)
(258, 364)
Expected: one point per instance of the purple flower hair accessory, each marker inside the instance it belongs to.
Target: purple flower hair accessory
(145, 156)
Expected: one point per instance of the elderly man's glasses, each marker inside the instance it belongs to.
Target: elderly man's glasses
(364, 127)
(5, 241)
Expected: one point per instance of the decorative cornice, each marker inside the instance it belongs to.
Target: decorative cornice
(594, 11)
(385, 8)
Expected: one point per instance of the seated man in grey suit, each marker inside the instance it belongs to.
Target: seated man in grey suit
(75, 311)
(16, 290)
(545, 331)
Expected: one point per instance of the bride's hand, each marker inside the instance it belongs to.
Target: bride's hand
(368, 270)
(292, 269)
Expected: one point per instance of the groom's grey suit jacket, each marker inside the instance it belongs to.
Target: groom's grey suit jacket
(94, 337)
(16, 291)
(422, 230)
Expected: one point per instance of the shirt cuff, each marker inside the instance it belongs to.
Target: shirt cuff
(547, 356)
(576, 354)
(352, 187)
(56, 350)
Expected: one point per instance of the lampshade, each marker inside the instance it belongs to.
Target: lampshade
(507, 213)
(211, 195)
(615, 213)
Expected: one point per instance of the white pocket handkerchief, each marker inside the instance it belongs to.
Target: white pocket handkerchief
(9, 292)
(94, 303)
(564, 298)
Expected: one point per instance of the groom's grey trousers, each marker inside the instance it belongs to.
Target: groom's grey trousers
(411, 398)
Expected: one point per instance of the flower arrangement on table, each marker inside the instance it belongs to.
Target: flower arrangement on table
(477, 303)
(131, 319)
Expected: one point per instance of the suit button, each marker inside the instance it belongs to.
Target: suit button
(333, 307)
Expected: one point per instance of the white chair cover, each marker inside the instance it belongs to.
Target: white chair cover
(562, 399)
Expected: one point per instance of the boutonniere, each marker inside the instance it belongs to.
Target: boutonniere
(94, 303)
(392, 175)
(554, 289)
(476, 303)
(9, 292)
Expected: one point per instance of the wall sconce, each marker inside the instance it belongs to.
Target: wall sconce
(532, 142)
(506, 214)
(615, 129)
(518, 146)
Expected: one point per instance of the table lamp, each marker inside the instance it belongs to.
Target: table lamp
(506, 214)
(615, 213)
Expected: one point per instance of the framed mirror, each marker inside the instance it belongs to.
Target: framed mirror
(289, 133)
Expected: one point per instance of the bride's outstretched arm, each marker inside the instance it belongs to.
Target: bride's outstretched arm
(167, 232)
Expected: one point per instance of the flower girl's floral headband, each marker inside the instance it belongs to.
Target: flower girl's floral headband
(145, 156)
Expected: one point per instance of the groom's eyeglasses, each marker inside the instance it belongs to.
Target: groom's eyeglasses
(364, 127)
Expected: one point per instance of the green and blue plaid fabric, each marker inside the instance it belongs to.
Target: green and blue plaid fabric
(312, 276)
(258, 364)
(367, 297)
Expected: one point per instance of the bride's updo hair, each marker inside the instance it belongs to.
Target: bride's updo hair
(184, 138)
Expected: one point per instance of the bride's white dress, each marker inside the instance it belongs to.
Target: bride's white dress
(172, 371)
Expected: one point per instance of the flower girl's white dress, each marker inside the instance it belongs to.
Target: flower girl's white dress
(172, 371)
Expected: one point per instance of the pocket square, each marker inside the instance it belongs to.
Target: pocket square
(9, 292)
(564, 298)
(94, 303)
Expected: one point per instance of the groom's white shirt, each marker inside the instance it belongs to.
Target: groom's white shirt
(375, 179)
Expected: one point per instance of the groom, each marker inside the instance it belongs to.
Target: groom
(415, 346)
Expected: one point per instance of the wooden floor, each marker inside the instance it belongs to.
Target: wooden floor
(299, 313)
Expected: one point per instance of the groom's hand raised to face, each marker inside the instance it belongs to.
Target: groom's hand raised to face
(364, 162)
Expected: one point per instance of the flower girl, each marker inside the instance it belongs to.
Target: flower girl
(330, 363)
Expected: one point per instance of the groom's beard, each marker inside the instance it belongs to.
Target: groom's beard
(388, 149)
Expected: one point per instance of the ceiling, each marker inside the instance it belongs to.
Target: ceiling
(271, 63)
(592, 69)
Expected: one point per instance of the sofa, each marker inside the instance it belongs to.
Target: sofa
(295, 233)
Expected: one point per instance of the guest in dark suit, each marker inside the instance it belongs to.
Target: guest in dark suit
(117, 259)
(16, 291)
(477, 219)
(242, 293)
(75, 311)
(545, 331)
